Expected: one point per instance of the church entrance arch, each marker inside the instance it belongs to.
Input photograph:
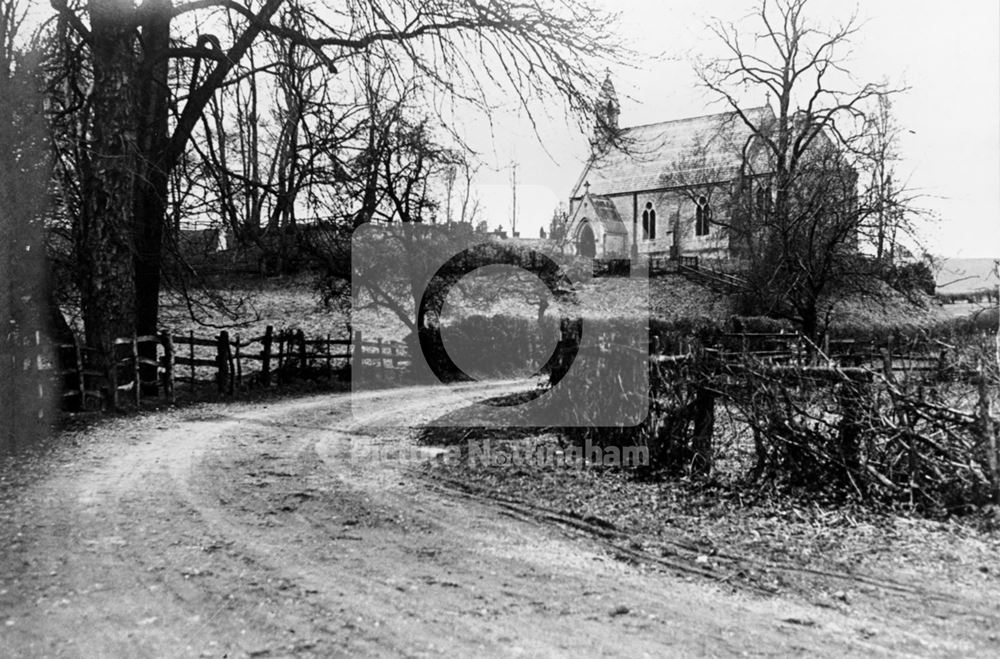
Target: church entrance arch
(585, 243)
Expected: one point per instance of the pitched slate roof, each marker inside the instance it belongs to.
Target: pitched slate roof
(680, 152)
(604, 214)
(608, 216)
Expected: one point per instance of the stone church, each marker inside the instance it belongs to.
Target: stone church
(660, 189)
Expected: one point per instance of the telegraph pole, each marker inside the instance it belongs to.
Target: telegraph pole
(513, 213)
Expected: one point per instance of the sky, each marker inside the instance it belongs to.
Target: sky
(946, 54)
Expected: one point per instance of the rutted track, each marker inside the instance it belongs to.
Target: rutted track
(268, 531)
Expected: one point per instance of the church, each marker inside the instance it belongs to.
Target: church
(661, 189)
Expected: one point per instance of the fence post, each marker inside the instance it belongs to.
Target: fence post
(358, 353)
(911, 418)
(136, 379)
(168, 365)
(231, 365)
(9, 384)
(381, 362)
(853, 393)
(300, 338)
(988, 433)
(191, 346)
(281, 355)
(39, 378)
(222, 360)
(942, 364)
(265, 356)
(329, 351)
(13, 384)
(80, 384)
(112, 375)
(239, 364)
(887, 365)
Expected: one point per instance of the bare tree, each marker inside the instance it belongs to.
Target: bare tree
(461, 203)
(466, 49)
(470, 206)
(893, 207)
(798, 213)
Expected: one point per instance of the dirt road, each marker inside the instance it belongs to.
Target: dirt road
(268, 530)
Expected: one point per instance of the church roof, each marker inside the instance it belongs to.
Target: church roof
(608, 216)
(604, 213)
(670, 153)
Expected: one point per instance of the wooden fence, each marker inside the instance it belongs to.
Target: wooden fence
(27, 388)
(661, 263)
(929, 359)
(157, 365)
(147, 363)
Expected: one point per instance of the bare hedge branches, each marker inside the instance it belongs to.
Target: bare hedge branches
(899, 436)
(917, 432)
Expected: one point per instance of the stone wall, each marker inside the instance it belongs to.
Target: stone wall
(675, 213)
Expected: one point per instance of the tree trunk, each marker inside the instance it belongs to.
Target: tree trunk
(161, 151)
(704, 429)
(151, 181)
(852, 397)
(810, 323)
(104, 242)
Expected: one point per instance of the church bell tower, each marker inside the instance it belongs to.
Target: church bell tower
(606, 113)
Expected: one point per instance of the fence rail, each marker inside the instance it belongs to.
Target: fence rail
(155, 365)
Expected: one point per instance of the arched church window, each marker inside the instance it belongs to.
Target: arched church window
(763, 200)
(649, 222)
(703, 217)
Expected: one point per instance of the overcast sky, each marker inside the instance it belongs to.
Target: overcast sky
(947, 53)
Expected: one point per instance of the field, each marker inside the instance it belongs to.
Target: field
(964, 275)
(249, 305)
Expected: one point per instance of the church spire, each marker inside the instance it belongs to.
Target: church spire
(606, 112)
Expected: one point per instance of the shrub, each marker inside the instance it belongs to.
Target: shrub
(916, 276)
(489, 345)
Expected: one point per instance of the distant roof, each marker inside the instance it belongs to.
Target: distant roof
(670, 153)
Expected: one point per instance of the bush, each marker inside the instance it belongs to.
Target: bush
(489, 346)
(916, 276)
(761, 324)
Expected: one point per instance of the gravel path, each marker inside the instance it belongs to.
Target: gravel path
(268, 530)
